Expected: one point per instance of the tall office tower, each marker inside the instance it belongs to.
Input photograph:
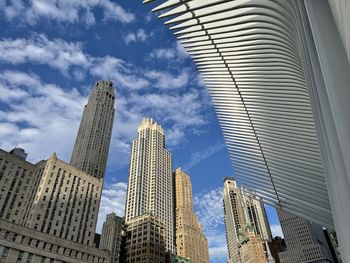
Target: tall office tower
(111, 236)
(190, 240)
(48, 210)
(234, 218)
(92, 143)
(278, 73)
(150, 187)
(255, 211)
(305, 241)
(243, 217)
(145, 239)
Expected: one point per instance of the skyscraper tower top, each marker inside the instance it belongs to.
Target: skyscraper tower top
(104, 85)
(92, 143)
(150, 124)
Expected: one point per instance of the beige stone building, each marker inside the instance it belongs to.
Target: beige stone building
(92, 143)
(24, 245)
(191, 242)
(145, 240)
(51, 196)
(255, 213)
(66, 203)
(48, 211)
(251, 249)
(19, 181)
(111, 236)
(150, 186)
(246, 224)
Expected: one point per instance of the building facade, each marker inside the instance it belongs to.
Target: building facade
(51, 196)
(246, 224)
(255, 211)
(111, 236)
(251, 249)
(190, 242)
(66, 203)
(305, 241)
(24, 245)
(145, 240)
(92, 143)
(150, 186)
(19, 181)
(278, 74)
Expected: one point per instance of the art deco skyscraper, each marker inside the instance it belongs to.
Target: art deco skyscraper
(190, 240)
(150, 187)
(245, 220)
(92, 143)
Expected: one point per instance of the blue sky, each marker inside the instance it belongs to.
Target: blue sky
(52, 52)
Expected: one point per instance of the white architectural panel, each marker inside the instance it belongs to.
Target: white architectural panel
(247, 52)
(278, 74)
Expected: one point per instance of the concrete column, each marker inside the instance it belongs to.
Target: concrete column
(333, 115)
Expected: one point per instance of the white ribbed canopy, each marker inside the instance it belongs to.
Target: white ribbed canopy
(248, 53)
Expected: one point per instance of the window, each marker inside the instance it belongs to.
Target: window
(5, 252)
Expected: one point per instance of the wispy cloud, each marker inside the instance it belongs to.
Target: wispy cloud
(208, 206)
(113, 200)
(175, 53)
(140, 93)
(38, 49)
(139, 36)
(38, 112)
(64, 11)
(200, 156)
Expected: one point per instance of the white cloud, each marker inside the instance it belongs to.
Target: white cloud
(113, 200)
(120, 72)
(208, 206)
(139, 94)
(64, 11)
(276, 230)
(200, 156)
(175, 53)
(41, 117)
(139, 35)
(166, 80)
(56, 53)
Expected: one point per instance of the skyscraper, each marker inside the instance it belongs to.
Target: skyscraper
(111, 236)
(92, 143)
(246, 223)
(150, 187)
(190, 240)
(305, 241)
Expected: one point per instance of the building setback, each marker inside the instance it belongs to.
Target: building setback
(305, 241)
(191, 242)
(92, 143)
(150, 186)
(111, 236)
